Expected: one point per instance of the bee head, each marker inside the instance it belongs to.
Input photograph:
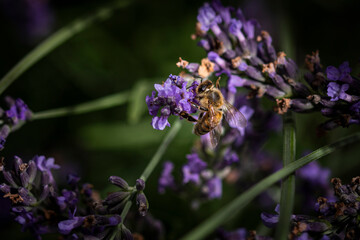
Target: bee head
(205, 85)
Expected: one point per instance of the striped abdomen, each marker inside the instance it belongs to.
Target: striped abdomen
(206, 124)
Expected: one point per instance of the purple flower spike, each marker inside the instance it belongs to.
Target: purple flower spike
(18, 110)
(46, 164)
(65, 227)
(142, 203)
(118, 181)
(235, 81)
(195, 164)
(225, 12)
(214, 57)
(159, 123)
(140, 184)
(207, 17)
(315, 174)
(166, 180)
(269, 220)
(213, 188)
(68, 199)
(4, 188)
(336, 92)
(235, 29)
(332, 73)
(173, 98)
(188, 176)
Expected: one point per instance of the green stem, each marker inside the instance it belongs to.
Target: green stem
(55, 40)
(126, 210)
(98, 104)
(233, 208)
(288, 184)
(151, 166)
(161, 150)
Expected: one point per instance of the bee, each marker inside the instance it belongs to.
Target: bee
(213, 106)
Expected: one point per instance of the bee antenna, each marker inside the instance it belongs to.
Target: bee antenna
(218, 82)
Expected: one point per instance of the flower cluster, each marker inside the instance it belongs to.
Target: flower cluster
(337, 93)
(173, 98)
(12, 118)
(334, 220)
(76, 212)
(238, 49)
(314, 181)
(206, 168)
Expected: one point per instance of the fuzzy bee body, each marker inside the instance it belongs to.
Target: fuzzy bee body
(213, 100)
(213, 107)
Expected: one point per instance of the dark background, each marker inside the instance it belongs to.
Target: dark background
(142, 43)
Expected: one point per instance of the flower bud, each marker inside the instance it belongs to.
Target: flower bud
(32, 169)
(118, 181)
(44, 193)
(142, 203)
(8, 177)
(140, 184)
(5, 188)
(24, 177)
(115, 198)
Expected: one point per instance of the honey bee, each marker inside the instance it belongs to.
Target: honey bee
(213, 107)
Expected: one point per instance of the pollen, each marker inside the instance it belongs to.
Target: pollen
(269, 68)
(182, 63)
(15, 198)
(235, 62)
(282, 105)
(206, 68)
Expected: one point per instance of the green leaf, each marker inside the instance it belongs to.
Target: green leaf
(288, 184)
(95, 105)
(234, 207)
(137, 105)
(116, 136)
(55, 40)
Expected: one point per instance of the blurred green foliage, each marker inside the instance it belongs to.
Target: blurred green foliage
(136, 48)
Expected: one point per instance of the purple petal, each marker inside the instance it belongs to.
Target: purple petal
(332, 73)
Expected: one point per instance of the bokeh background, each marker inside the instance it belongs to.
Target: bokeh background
(138, 46)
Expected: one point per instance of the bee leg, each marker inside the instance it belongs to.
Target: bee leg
(187, 116)
(218, 83)
(198, 106)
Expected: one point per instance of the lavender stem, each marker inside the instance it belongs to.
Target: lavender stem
(98, 104)
(151, 166)
(56, 39)
(288, 184)
(233, 208)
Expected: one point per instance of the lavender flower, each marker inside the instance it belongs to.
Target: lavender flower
(12, 118)
(343, 92)
(334, 220)
(172, 99)
(18, 111)
(166, 179)
(207, 168)
(27, 187)
(238, 48)
(78, 213)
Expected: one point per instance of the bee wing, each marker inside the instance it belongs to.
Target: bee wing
(233, 116)
(216, 132)
(215, 136)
